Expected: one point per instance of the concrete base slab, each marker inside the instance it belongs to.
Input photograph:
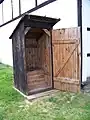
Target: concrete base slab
(38, 95)
(42, 94)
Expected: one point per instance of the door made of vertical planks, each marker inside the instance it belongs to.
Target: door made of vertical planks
(66, 59)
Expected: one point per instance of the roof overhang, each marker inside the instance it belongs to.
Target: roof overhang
(34, 21)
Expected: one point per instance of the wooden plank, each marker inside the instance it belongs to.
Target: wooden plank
(66, 80)
(47, 32)
(66, 59)
(19, 59)
(38, 61)
(31, 54)
(66, 33)
(15, 62)
(65, 41)
(70, 87)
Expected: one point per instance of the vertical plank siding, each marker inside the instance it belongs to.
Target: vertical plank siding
(38, 63)
(66, 59)
(32, 59)
(32, 49)
(19, 59)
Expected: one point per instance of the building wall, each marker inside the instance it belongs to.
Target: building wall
(6, 43)
(86, 38)
(64, 9)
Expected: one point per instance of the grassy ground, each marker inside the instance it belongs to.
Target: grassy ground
(61, 106)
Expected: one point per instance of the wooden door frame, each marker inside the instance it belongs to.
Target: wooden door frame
(49, 33)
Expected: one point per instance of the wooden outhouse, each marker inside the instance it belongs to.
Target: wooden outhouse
(44, 58)
(32, 54)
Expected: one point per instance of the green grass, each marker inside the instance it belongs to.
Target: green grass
(61, 106)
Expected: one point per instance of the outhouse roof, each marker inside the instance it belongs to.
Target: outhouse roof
(34, 21)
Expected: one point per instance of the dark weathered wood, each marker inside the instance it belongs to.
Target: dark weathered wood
(38, 24)
(15, 61)
(22, 60)
(32, 51)
(19, 59)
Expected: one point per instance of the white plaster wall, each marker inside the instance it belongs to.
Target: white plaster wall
(64, 9)
(6, 43)
(86, 38)
(84, 50)
(7, 13)
(27, 5)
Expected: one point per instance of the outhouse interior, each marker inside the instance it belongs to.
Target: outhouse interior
(32, 54)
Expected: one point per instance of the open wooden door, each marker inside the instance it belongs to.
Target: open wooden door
(66, 59)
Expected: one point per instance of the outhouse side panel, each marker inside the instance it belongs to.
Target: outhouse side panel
(19, 59)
